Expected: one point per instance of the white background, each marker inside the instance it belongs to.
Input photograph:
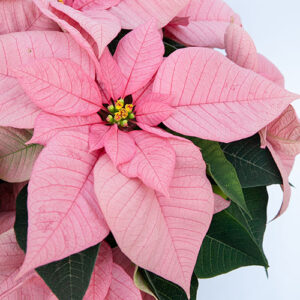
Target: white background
(275, 28)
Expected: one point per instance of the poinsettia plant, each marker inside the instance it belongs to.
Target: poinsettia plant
(134, 157)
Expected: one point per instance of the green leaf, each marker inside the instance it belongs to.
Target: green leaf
(254, 166)
(234, 240)
(166, 290)
(67, 278)
(222, 171)
(16, 158)
(141, 283)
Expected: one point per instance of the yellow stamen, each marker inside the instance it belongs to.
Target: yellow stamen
(119, 104)
(124, 113)
(129, 107)
(118, 116)
(61, 1)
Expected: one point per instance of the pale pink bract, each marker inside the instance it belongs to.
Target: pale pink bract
(169, 171)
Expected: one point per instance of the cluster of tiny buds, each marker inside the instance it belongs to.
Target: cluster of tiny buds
(120, 113)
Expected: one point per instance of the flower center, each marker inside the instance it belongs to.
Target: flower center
(120, 112)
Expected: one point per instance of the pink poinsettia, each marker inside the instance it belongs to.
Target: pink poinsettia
(91, 26)
(282, 135)
(202, 23)
(149, 184)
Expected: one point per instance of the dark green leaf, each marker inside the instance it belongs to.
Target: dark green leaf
(21, 222)
(114, 43)
(166, 290)
(171, 46)
(254, 166)
(67, 278)
(222, 171)
(234, 240)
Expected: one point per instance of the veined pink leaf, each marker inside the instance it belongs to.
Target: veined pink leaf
(153, 163)
(16, 109)
(240, 47)
(141, 218)
(16, 158)
(34, 289)
(139, 54)
(284, 133)
(180, 21)
(101, 25)
(111, 79)
(208, 21)
(214, 98)
(157, 131)
(220, 203)
(133, 13)
(119, 146)
(60, 86)
(102, 275)
(122, 286)
(145, 91)
(91, 4)
(153, 109)
(63, 214)
(28, 287)
(268, 70)
(47, 125)
(67, 24)
(23, 15)
(283, 140)
(97, 136)
(11, 257)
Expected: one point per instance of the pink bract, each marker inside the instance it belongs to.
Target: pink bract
(216, 99)
(207, 23)
(17, 110)
(109, 279)
(23, 15)
(282, 135)
(169, 171)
